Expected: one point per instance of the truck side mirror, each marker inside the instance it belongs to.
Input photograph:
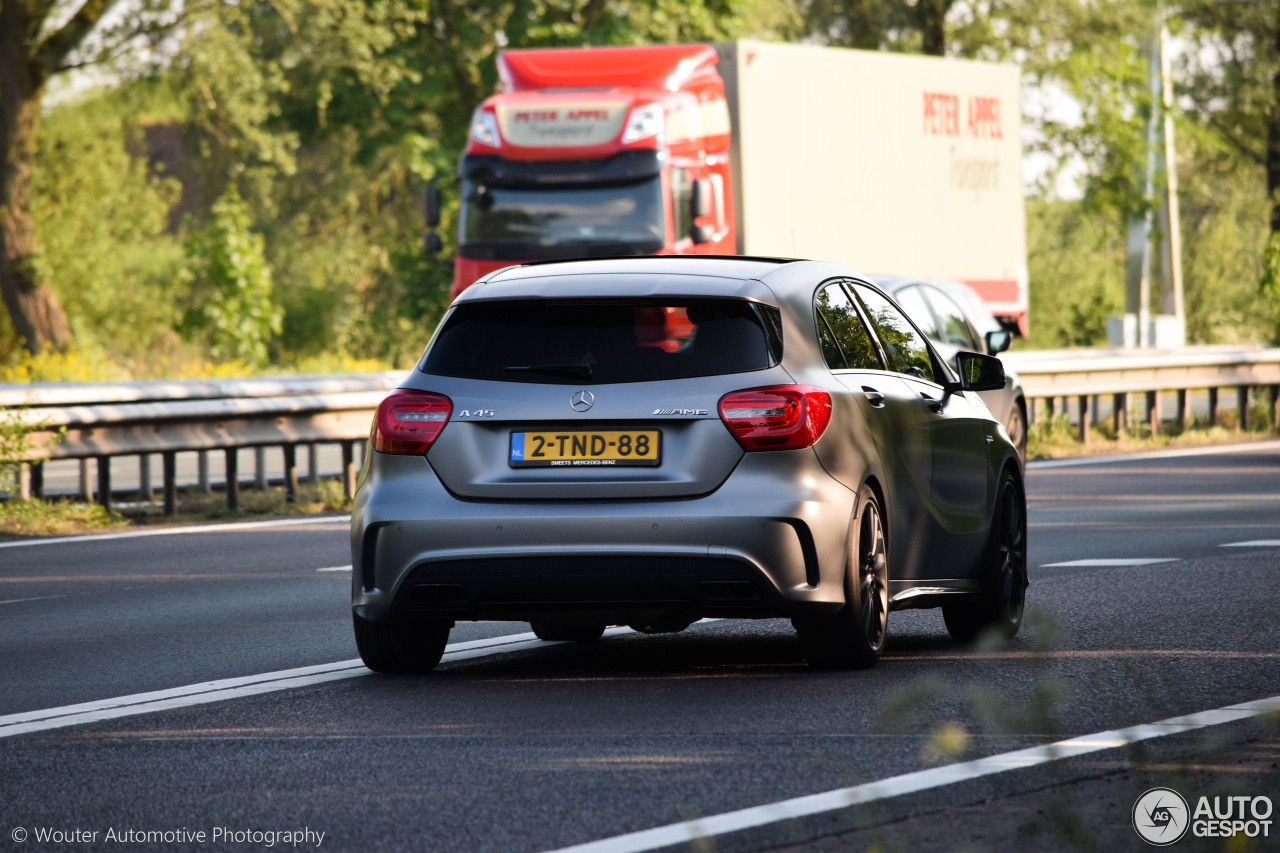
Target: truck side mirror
(431, 201)
(998, 341)
(700, 199)
(431, 243)
(702, 234)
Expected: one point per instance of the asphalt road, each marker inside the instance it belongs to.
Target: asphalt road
(526, 749)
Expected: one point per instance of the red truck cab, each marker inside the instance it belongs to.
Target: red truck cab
(596, 152)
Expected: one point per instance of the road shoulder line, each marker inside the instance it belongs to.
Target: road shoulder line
(203, 693)
(691, 831)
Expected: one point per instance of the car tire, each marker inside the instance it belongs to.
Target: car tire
(1016, 426)
(854, 637)
(1004, 571)
(387, 646)
(579, 632)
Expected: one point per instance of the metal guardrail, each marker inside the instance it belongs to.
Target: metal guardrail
(1052, 379)
(100, 421)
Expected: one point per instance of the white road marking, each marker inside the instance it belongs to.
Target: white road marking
(1253, 543)
(1113, 561)
(249, 685)
(37, 598)
(691, 831)
(335, 569)
(178, 531)
(1258, 446)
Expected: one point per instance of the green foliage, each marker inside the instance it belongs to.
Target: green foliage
(49, 518)
(1224, 230)
(101, 216)
(230, 284)
(1075, 257)
(1270, 282)
(17, 445)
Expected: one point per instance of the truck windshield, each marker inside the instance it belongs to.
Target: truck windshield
(548, 222)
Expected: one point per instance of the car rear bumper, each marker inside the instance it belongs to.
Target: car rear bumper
(770, 541)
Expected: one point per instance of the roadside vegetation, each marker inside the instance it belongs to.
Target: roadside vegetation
(58, 517)
(1056, 437)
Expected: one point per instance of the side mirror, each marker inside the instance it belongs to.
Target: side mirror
(700, 198)
(979, 372)
(431, 201)
(431, 243)
(702, 234)
(998, 342)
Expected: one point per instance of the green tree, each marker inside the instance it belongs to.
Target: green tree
(102, 216)
(909, 27)
(231, 284)
(1231, 79)
(40, 39)
(1224, 229)
(1075, 262)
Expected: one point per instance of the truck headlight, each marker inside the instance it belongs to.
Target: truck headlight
(484, 128)
(643, 123)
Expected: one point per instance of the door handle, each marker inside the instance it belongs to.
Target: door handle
(873, 396)
(931, 404)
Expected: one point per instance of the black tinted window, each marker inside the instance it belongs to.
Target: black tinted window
(906, 348)
(554, 341)
(911, 300)
(851, 336)
(955, 328)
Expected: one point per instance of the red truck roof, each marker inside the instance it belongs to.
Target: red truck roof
(664, 67)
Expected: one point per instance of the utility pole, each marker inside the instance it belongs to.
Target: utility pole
(1161, 209)
(1170, 221)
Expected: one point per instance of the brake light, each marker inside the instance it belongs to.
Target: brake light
(409, 421)
(778, 417)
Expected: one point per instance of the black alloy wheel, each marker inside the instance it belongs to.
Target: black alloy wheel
(854, 637)
(1004, 572)
(873, 570)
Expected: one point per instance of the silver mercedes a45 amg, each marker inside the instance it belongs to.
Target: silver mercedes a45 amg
(651, 441)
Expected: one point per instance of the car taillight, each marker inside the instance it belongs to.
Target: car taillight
(779, 417)
(409, 421)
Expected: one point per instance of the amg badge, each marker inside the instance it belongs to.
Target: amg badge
(692, 412)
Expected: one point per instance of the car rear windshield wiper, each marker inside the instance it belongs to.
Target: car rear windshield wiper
(572, 371)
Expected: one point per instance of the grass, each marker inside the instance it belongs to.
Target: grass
(47, 518)
(1055, 438)
(59, 517)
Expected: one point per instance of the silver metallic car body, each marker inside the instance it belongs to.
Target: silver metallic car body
(457, 534)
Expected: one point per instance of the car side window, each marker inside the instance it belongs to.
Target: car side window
(905, 346)
(850, 333)
(830, 349)
(912, 301)
(954, 327)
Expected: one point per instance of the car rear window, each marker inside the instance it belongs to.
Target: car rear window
(575, 342)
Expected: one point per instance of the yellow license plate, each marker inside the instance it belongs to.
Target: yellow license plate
(581, 448)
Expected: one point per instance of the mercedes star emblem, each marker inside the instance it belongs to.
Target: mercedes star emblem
(582, 400)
